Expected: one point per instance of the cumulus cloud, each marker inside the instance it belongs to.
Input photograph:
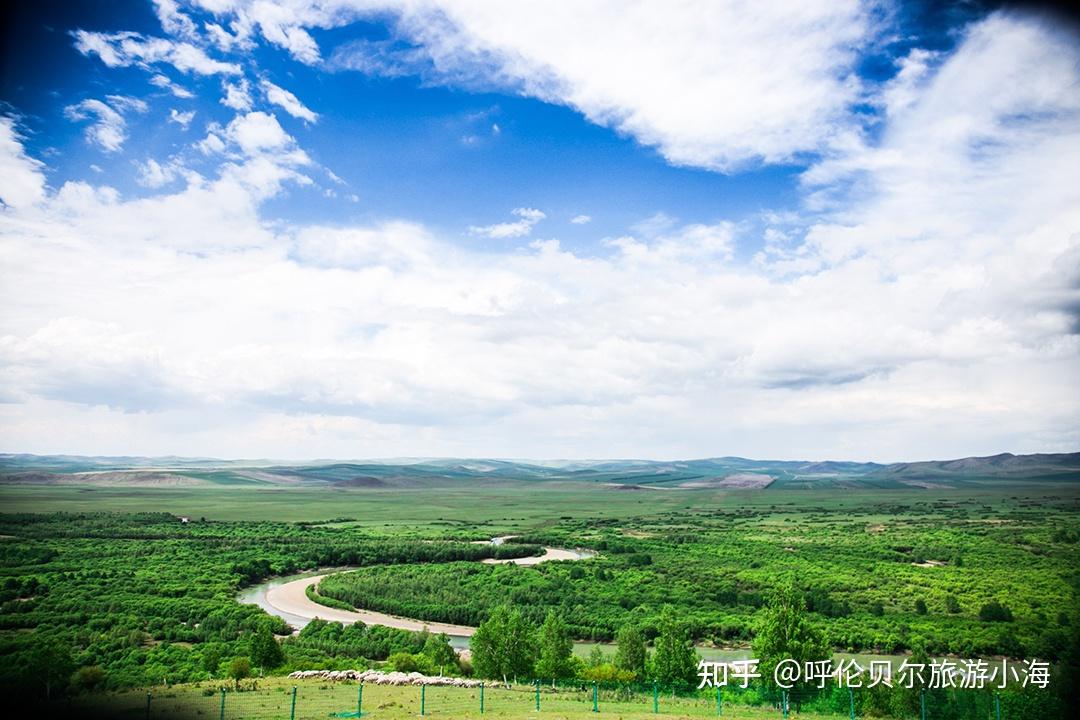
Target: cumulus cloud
(237, 95)
(257, 131)
(108, 128)
(24, 182)
(518, 228)
(927, 306)
(183, 119)
(153, 174)
(709, 84)
(581, 219)
(287, 101)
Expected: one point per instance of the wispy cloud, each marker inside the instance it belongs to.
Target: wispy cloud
(287, 101)
(165, 83)
(519, 228)
(123, 49)
(108, 128)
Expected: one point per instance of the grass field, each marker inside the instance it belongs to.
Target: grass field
(512, 508)
(273, 699)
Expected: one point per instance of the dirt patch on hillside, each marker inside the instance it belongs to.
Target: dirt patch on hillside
(739, 481)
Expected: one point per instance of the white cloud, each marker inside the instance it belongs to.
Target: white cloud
(154, 175)
(581, 219)
(518, 228)
(690, 242)
(237, 95)
(166, 84)
(287, 101)
(108, 128)
(183, 119)
(123, 49)
(709, 84)
(172, 20)
(929, 310)
(24, 181)
(257, 131)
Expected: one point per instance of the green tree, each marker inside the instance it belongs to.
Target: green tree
(265, 651)
(88, 678)
(504, 645)
(50, 664)
(556, 649)
(403, 662)
(596, 657)
(920, 606)
(785, 631)
(994, 611)
(211, 659)
(239, 669)
(630, 653)
(438, 650)
(675, 660)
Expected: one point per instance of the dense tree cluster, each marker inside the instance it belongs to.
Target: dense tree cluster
(145, 600)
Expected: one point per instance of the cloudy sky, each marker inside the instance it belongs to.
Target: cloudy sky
(379, 228)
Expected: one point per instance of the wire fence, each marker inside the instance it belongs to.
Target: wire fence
(309, 700)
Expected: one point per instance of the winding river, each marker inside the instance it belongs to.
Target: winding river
(287, 598)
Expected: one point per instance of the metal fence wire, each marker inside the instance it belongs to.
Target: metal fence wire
(577, 699)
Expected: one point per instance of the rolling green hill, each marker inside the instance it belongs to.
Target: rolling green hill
(713, 473)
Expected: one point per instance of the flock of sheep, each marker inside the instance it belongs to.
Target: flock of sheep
(377, 677)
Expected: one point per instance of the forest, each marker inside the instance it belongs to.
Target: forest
(954, 576)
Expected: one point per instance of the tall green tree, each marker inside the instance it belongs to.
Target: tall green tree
(438, 650)
(784, 630)
(504, 645)
(556, 649)
(48, 663)
(239, 668)
(675, 660)
(630, 654)
(265, 651)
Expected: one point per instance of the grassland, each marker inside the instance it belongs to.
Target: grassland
(272, 698)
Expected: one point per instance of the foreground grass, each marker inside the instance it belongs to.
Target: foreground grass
(273, 698)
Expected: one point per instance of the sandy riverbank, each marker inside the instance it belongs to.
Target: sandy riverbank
(291, 598)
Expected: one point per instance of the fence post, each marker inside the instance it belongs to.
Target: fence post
(222, 717)
(360, 700)
(423, 688)
(851, 703)
(784, 703)
(148, 706)
(655, 697)
(719, 702)
(537, 696)
(481, 698)
(997, 706)
(595, 697)
(922, 703)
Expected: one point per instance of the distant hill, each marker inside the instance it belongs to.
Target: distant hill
(716, 473)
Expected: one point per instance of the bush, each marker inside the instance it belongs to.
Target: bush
(88, 678)
(994, 611)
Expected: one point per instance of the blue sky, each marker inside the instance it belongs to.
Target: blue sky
(354, 228)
